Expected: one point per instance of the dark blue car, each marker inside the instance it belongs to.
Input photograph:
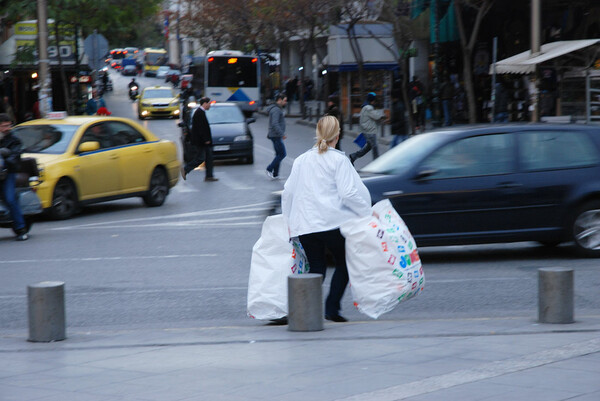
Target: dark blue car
(495, 183)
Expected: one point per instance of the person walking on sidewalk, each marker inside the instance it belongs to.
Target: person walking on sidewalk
(201, 142)
(398, 123)
(322, 192)
(10, 158)
(369, 122)
(333, 110)
(277, 134)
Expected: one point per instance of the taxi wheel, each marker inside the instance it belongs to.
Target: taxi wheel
(64, 201)
(159, 188)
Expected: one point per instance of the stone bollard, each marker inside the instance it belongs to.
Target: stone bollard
(555, 295)
(46, 307)
(305, 302)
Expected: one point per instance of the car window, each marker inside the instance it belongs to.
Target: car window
(124, 134)
(157, 93)
(541, 150)
(51, 139)
(99, 133)
(404, 156)
(474, 156)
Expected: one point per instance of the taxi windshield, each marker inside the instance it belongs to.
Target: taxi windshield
(51, 139)
(154, 93)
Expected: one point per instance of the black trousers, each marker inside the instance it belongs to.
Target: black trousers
(314, 246)
(200, 154)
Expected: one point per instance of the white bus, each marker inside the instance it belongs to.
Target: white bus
(232, 76)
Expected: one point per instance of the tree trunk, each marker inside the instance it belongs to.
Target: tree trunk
(469, 87)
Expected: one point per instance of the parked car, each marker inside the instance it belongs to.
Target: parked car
(92, 159)
(161, 72)
(231, 134)
(158, 101)
(495, 183)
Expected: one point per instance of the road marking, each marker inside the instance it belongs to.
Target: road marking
(245, 209)
(482, 372)
(106, 258)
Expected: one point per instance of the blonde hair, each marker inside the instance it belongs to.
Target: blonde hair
(328, 128)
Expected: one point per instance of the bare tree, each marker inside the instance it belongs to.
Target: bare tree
(481, 8)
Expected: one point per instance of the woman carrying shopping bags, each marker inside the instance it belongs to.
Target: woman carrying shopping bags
(322, 192)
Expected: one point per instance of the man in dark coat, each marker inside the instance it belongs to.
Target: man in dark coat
(10, 158)
(201, 141)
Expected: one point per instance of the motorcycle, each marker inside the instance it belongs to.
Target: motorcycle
(26, 183)
(133, 92)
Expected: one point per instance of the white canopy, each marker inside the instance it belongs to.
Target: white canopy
(524, 63)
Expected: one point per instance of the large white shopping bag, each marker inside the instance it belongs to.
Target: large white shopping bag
(274, 257)
(383, 262)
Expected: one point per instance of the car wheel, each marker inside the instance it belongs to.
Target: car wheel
(64, 200)
(159, 188)
(586, 229)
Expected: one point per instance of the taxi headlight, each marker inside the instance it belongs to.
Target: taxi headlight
(176, 111)
(242, 138)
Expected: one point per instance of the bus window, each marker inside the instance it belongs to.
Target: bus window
(223, 73)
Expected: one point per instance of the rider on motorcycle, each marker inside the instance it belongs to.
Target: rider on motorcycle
(10, 152)
(132, 83)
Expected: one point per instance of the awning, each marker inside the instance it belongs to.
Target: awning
(524, 63)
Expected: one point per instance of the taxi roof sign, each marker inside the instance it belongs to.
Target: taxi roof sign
(56, 115)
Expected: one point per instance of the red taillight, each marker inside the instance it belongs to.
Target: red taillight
(254, 60)
(252, 102)
(213, 101)
(232, 60)
(211, 59)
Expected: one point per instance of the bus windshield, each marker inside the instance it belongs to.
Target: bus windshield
(232, 72)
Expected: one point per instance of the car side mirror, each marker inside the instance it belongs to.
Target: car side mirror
(426, 173)
(250, 120)
(88, 146)
(181, 124)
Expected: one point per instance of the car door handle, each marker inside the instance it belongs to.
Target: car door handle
(508, 185)
(148, 150)
(393, 193)
(113, 157)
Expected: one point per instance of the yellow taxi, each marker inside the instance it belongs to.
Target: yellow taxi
(158, 101)
(88, 159)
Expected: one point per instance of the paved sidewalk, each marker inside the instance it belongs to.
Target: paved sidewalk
(454, 359)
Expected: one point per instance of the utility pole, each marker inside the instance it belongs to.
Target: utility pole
(45, 92)
(536, 12)
(436, 112)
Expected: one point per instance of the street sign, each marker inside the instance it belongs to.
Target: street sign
(96, 47)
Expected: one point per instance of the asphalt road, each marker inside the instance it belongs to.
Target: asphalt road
(186, 264)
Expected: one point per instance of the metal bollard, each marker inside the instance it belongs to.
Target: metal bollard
(555, 295)
(46, 308)
(305, 302)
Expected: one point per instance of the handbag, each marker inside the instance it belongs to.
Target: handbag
(360, 140)
(383, 261)
(274, 258)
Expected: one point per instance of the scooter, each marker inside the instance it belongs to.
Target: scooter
(133, 92)
(27, 181)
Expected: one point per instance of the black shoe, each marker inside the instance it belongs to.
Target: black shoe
(22, 237)
(211, 179)
(336, 318)
(282, 321)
